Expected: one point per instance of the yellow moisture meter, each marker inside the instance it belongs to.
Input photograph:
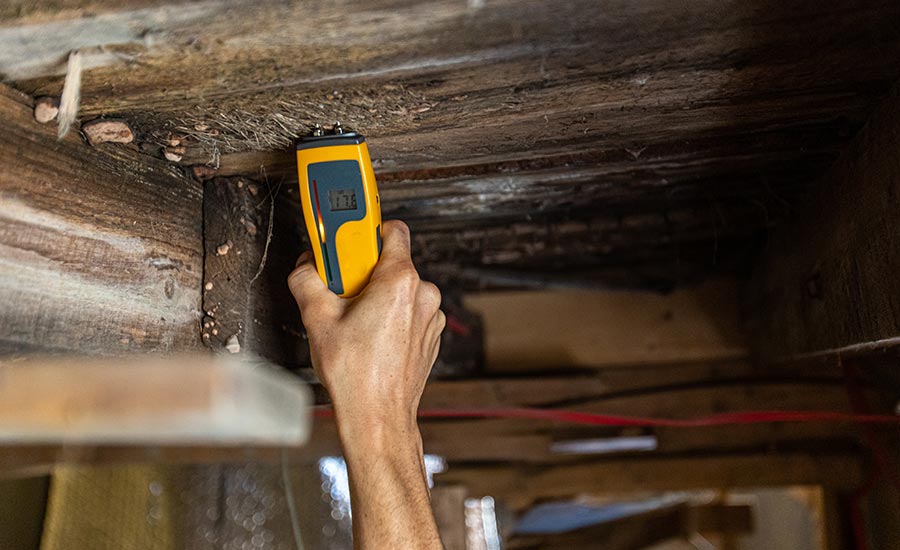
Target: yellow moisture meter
(341, 207)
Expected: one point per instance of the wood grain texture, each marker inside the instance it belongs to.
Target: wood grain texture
(644, 144)
(829, 279)
(100, 250)
(245, 294)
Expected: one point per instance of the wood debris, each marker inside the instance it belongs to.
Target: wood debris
(233, 345)
(107, 131)
(45, 109)
(174, 153)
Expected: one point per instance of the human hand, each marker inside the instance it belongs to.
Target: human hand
(373, 352)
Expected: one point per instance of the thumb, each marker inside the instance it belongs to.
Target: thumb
(308, 289)
(395, 252)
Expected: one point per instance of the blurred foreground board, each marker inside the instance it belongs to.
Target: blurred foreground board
(178, 401)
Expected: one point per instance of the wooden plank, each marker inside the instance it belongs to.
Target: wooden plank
(666, 392)
(828, 280)
(532, 330)
(100, 250)
(553, 387)
(521, 485)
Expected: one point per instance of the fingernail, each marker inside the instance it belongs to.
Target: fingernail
(303, 258)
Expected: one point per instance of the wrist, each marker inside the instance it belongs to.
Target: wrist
(373, 431)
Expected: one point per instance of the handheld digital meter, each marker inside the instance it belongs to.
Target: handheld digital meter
(341, 208)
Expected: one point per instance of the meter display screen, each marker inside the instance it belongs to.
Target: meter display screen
(342, 199)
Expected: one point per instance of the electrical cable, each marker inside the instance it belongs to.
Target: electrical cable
(860, 416)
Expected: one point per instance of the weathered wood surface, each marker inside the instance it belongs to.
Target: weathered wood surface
(245, 296)
(248, 257)
(829, 278)
(100, 249)
(638, 144)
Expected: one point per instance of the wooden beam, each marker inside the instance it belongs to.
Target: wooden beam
(458, 442)
(428, 68)
(521, 485)
(537, 442)
(667, 392)
(100, 250)
(531, 330)
(249, 252)
(553, 387)
(691, 129)
(828, 281)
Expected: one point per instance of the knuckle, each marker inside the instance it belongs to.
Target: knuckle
(406, 277)
(431, 295)
(397, 225)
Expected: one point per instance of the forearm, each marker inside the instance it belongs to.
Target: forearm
(391, 505)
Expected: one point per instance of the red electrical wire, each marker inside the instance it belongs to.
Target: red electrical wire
(594, 419)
